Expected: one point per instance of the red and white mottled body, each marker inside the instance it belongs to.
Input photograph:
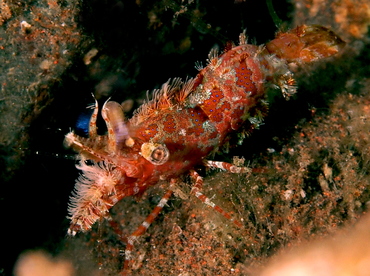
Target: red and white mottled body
(184, 123)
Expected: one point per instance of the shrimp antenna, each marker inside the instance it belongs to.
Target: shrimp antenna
(278, 22)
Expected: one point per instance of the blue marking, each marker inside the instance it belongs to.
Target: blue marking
(82, 123)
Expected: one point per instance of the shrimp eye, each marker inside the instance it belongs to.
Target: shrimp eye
(157, 154)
